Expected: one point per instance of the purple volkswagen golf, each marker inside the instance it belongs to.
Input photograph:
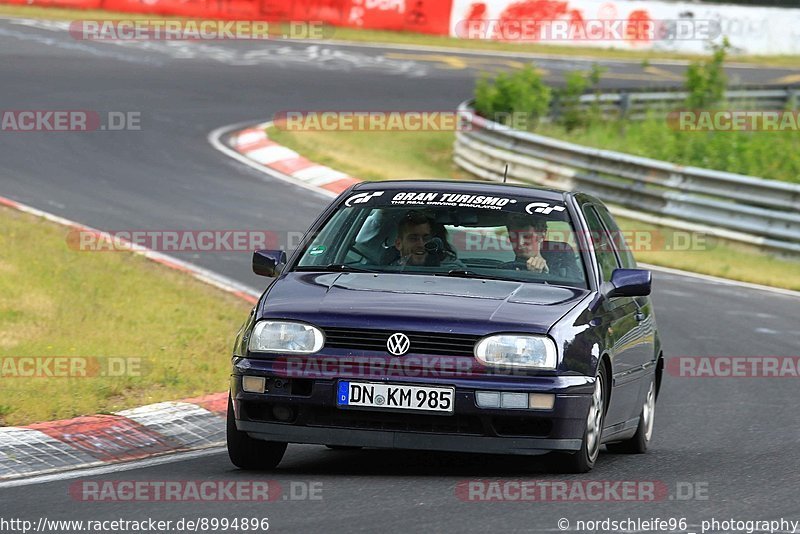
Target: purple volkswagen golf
(450, 316)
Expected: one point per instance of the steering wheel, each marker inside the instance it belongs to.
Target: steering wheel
(516, 265)
(354, 248)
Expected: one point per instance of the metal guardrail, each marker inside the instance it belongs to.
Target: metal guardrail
(748, 209)
(636, 105)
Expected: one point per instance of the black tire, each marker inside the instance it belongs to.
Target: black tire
(248, 453)
(640, 441)
(344, 447)
(583, 460)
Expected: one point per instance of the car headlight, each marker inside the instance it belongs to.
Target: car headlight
(286, 337)
(515, 350)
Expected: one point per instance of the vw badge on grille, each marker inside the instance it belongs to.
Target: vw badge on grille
(398, 344)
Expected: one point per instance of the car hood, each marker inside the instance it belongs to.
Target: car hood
(418, 302)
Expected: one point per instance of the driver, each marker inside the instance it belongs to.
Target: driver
(422, 242)
(528, 236)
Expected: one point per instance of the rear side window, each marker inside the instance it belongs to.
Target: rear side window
(603, 248)
(625, 254)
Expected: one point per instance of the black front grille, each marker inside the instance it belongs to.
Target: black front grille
(393, 421)
(421, 342)
(522, 426)
(462, 424)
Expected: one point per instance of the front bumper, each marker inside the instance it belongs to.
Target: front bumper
(405, 440)
(305, 411)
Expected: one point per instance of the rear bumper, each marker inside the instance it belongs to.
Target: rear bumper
(305, 411)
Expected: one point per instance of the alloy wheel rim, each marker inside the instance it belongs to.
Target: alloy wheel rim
(594, 423)
(649, 411)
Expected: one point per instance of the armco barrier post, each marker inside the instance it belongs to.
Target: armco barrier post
(624, 104)
(792, 98)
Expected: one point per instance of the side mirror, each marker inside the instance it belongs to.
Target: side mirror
(268, 262)
(630, 283)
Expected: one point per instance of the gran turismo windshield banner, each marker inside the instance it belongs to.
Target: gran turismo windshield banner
(453, 199)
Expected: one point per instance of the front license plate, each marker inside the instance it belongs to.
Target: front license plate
(395, 397)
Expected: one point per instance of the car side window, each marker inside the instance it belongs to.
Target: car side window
(625, 254)
(603, 248)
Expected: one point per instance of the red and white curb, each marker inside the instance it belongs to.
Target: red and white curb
(143, 432)
(252, 145)
(94, 440)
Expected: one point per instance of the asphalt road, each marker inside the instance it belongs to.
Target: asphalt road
(734, 440)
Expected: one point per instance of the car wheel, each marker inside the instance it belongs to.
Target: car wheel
(644, 432)
(344, 447)
(584, 460)
(248, 453)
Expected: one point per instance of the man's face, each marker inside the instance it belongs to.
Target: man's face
(526, 240)
(412, 243)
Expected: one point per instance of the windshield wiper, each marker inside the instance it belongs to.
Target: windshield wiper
(337, 267)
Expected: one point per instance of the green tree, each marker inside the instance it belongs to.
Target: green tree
(519, 99)
(706, 80)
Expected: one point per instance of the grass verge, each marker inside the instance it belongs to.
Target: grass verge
(57, 13)
(397, 155)
(421, 40)
(169, 335)
(377, 155)
(774, 155)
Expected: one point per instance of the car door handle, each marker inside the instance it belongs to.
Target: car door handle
(639, 316)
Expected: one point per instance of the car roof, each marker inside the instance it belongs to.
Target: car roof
(464, 187)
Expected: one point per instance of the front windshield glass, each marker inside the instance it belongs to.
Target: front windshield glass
(453, 234)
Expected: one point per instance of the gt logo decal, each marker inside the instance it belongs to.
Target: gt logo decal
(542, 207)
(361, 198)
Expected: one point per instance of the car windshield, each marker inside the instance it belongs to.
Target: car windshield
(449, 234)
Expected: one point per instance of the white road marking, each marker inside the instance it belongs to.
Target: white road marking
(86, 48)
(723, 281)
(454, 50)
(749, 313)
(767, 331)
(319, 55)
